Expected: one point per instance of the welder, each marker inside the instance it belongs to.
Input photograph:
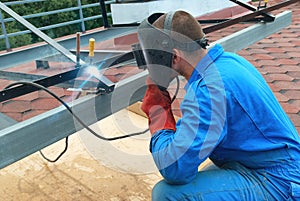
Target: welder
(229, 115)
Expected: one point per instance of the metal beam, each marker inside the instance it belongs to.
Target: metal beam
(15, 76)
(6, 121)
(26, 137)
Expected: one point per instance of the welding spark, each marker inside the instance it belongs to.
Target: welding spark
(93, 70)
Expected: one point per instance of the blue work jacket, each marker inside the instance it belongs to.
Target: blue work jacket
(229, 114)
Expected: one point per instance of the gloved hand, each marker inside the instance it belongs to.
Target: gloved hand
(157, 106)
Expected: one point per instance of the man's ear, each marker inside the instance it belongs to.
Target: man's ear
(176, 56)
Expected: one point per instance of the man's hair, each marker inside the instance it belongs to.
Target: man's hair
(182, 23)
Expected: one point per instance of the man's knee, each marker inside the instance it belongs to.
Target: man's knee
(161, 191)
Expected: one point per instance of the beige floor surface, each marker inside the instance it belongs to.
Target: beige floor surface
(79, 174)
(91, 169)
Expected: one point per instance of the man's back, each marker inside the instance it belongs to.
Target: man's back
(256, 124)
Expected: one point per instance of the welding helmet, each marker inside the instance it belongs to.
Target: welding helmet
(155, 50)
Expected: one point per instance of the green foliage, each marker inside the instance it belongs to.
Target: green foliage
(21, 40)
(43, 21)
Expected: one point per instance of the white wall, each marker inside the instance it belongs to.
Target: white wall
(136, 12)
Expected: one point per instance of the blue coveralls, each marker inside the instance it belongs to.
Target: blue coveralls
(230, 115)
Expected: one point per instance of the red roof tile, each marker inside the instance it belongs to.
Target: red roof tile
(277, 57)
(295, 118)
(15, 115)
(28, 114)
(280, 97)
(45, 104)
(288, 85)
(16, 106)
(277, 77)
(60, 92)
(290, 108)
(292, 95)
(27, 97)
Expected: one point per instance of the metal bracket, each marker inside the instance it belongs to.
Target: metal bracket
(246, 17)
(267, 17)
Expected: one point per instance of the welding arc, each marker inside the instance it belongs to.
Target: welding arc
(41, 87)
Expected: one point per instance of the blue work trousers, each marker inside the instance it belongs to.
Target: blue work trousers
(236, 182)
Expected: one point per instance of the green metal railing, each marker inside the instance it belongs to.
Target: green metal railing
(79, 8)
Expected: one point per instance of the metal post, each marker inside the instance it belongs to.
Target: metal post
(4, 33)
(81, 16)
(104, 14)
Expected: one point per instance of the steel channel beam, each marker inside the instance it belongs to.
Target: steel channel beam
(10, 93)
(6, 121)
(15, 76)
(25, 138)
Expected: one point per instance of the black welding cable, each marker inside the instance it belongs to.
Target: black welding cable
(177, 89)
(60, 155)
(38, 86)
(73, 114)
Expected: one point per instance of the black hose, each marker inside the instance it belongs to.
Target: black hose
(38, 86)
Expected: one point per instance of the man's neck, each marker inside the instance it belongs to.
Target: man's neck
(189, 69)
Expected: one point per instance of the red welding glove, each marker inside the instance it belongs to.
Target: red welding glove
(157, 106)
